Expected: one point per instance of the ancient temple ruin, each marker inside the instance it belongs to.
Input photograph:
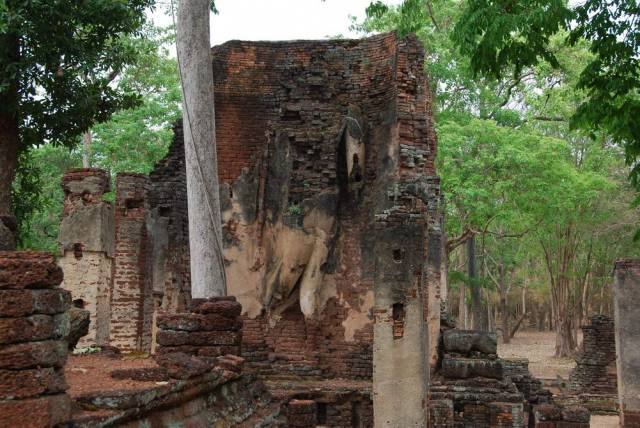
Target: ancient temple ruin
(332, 231)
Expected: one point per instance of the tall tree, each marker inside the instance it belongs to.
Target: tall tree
(205, 223)
(503, 35)
(47, 49)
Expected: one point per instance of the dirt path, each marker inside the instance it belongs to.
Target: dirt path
(538, 347)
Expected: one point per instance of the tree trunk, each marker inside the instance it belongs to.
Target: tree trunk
(205, 223)
(86, 149)
(565, 344)
(9, 149)
(476, 298)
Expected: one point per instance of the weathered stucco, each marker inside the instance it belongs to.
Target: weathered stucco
(627, 328)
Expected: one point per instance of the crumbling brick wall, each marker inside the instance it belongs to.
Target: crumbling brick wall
(595, 371)
(131, 300)
(310, 138)
(33, 347)
(169, 226)
(86, 242)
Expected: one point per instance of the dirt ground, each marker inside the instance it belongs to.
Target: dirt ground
(538, 348)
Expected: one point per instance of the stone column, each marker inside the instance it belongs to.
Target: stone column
(400, 363)
(627, 327)
(132, 296)
(86, 244)
(33, 347)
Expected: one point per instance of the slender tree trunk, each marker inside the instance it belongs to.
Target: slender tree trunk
(87, 138)
(205, 224)
(476, 298)
(504, 311)
(9, 148)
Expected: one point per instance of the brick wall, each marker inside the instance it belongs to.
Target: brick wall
(290, 116)
(33, 347)
(86, 241)
(132, 300)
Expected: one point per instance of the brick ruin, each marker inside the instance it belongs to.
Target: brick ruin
(332, 242)
(33, 349)
(594, 380)
(627, 333)
(473, 387)
(332, 230)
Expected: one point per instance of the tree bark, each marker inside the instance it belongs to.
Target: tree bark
(205, 223)
(9, 148)
(476, 298)
(86, 149)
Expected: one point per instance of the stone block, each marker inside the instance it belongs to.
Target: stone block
(34, 328)
(198, 322)
(28, 269)
(183, 366)
(79, 325)
(41, 412)
(464, 368)
(33, 354)
(145, 374)
(225, 308)
(17, 384)
(20, 303)
(198, 338)
(467, 341)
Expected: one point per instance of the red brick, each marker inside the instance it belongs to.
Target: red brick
(42, 412)
(32, 354)
(198, 322)
(28, 269)
(33, 328)
(15, 384)
(199, 338)
(19, 303)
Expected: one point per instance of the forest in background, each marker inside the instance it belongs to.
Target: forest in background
(536, 208)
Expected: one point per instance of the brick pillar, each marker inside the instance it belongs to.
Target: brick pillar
(132, 297)
(86, 245)
(213, 328)
(627, 328)
(33, 348)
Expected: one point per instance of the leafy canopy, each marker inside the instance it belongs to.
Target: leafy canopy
(499, 34)
(61, 56)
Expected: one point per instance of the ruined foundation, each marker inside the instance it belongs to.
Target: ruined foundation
(473, 387)
(627, 328)
(331, 221)
(332, 232)
(594, 380)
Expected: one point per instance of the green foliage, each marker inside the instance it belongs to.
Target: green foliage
(133, 140)
(497, 34)
(39, 211)
(502, 34)
(61, 56)
(136, 138)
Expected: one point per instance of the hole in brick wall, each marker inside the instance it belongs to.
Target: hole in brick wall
(356, 411)
(398, 255)
(398, 314)
(357, 169)
(321, 417)
(77, 251)
(132, 204)
(78, 303)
